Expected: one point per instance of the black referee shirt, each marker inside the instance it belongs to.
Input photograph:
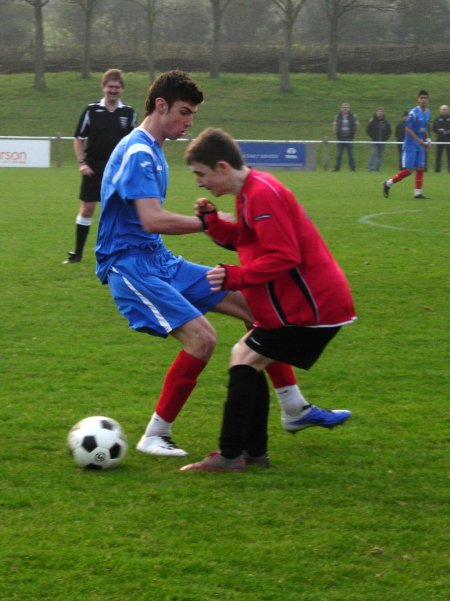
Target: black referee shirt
(103, 129)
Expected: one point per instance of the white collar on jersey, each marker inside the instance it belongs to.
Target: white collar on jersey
(120, 104)
(147, 133)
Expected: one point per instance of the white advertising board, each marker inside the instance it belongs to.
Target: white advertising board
(24, 153)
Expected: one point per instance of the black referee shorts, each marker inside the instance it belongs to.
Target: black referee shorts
(295, 345)
(91, 184)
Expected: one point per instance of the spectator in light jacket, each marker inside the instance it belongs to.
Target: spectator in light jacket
(345, 125)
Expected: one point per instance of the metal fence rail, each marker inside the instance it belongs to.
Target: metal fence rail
(324, 144)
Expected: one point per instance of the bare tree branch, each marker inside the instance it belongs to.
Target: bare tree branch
(335, 10)
(290, 11)
(218, 10)
(42, 3)
(39, 66)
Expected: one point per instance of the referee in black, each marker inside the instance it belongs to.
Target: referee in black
(101, 126)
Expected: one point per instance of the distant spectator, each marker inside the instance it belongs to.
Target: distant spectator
(400, 136)
(345, 126)
(379, 130)
(441, 127)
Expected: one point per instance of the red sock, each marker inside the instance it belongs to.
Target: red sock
(401, 175)
(419, 179)
(178, 384)
(281, 374)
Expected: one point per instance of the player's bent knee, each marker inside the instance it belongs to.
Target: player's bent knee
(209, 342)
(202, 343)
(242, 354)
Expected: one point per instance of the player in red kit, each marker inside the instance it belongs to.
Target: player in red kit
(295, 289)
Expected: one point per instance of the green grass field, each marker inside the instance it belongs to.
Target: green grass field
(248, 106)
(355, 514)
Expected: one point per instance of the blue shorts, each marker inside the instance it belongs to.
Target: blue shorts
(157, 298)
(413, 159)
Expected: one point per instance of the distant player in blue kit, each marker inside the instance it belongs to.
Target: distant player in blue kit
(159, 293)
(415, 146)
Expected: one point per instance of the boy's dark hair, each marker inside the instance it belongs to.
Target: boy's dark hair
(113, 75)
(422, 93)
(172, 86)
(213, 145)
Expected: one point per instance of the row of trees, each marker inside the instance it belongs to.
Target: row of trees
(140, 24)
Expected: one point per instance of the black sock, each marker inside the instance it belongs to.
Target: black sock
(82, 232)
(242, 393)
(256, 434)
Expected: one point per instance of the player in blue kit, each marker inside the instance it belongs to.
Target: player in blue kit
(159, 293)
(415, 145)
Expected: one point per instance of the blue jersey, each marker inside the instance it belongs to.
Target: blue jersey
(418, 122)
(136, 169)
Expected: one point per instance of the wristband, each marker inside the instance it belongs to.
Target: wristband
(82, 161)
(203, 222)
(203, 218)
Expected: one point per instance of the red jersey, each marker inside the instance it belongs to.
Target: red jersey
(287, 274)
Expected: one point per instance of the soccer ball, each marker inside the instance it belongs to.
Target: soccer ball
(97, 443)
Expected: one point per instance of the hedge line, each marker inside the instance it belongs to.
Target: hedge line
(239, 59)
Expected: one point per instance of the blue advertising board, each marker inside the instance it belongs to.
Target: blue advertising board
(274, 154)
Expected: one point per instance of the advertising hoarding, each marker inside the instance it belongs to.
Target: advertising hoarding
(24, 153)
(279, 154)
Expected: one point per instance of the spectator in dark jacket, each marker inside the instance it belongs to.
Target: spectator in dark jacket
(441, 127)
(400, 136)
(379, 130)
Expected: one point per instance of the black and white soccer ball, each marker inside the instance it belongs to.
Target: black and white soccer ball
(97, 443)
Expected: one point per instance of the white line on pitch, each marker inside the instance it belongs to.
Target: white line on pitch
(368, 220)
